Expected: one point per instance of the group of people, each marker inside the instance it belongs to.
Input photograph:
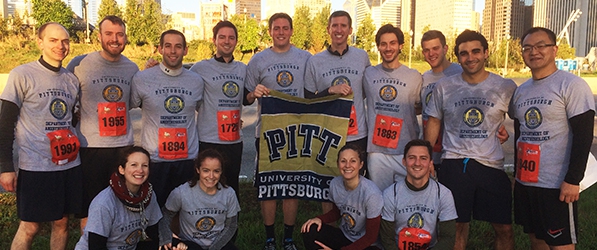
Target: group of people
(76, 152)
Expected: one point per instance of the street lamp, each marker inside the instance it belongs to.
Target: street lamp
(410, 47)
(506, 57)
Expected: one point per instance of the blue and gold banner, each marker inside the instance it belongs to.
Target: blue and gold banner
(300, 140)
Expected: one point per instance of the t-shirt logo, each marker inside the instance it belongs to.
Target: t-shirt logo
(284, 78)
(133, 238)
(205, 224)
(349, 220)
(58, 108)
(340, 80)
(230, 89)
(388, 93)
(473, 117)
(174, 104)
(112, 93)
(415, 221)
(428, 97)
(533, 118)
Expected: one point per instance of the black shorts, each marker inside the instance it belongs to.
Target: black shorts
(48, 196)
(232, 154)
(482, 191)
(98, 164)
(540, 211)
(166, 176)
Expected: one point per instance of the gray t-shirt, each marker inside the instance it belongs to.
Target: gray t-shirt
(222, 101)
(202, 216)
(283, 72)
(104, 100)
(325, 70)
(168, 105)
(543, 108)
(356, 206)
(109, 217)
(391, 98)
(418, 209)
(472, 114)
(430, 79)
(45, 99)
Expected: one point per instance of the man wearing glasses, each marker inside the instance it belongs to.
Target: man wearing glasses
(553, 121)
(472, 106)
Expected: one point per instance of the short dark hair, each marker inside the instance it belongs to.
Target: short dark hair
(124, 156)
(433, 34)
(112, 19)
(356, 148)
(173, 32)
(278, 16)
(468, 36)
(340, 13)
(42, 29)
(417, 142)
(222, 24)
(203, 155)
(388, 28)
(550, 34)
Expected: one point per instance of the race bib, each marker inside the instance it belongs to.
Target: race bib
(229, 125)
(64, 146)
(172, 143)
(353, 126)
(527, 164)
(386, 132)
(111, 118)
(413, 239)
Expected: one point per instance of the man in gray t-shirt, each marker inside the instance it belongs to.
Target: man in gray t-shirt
(472, 107)
(282, 68)
(104, 128)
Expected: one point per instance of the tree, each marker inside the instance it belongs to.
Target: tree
(153, 22)
(565, 51)
(248, 33)
(107, 8)
(133, 19)
(301, 23)
(366, 34)
(319, 33)
(44, 11)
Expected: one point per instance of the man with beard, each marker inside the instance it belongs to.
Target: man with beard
(392, 91)
(222, 99)
(36, 111)
(472, 106)
(339, 70)
(553, 116)
(104, 128)
(168, 96)
(282, 68)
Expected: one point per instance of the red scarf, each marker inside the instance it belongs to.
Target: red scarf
(131, 202)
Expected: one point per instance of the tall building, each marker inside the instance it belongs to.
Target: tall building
(185, 22)
(4, 8)
(210, 14)
(553, 14)
(395, 12)
(448, 16)
(503, 19)
(251, 8)
(270, 7)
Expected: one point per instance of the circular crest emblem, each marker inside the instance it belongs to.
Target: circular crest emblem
(428, 97)
(205, 224)
(340, 80)
(415, 221)
(230, 89)
(133, 238)
(388, 93)
(58, 108)
(533, 118)
(284, 78)
(473, 117)
(174, 104)
(349, 220)
(112, 93)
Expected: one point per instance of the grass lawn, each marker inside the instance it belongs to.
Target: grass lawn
(252, 234)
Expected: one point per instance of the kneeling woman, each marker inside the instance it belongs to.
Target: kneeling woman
(208, 209)
(126, 212)
(357, 201)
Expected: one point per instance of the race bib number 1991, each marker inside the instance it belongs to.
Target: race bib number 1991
(64, 146)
